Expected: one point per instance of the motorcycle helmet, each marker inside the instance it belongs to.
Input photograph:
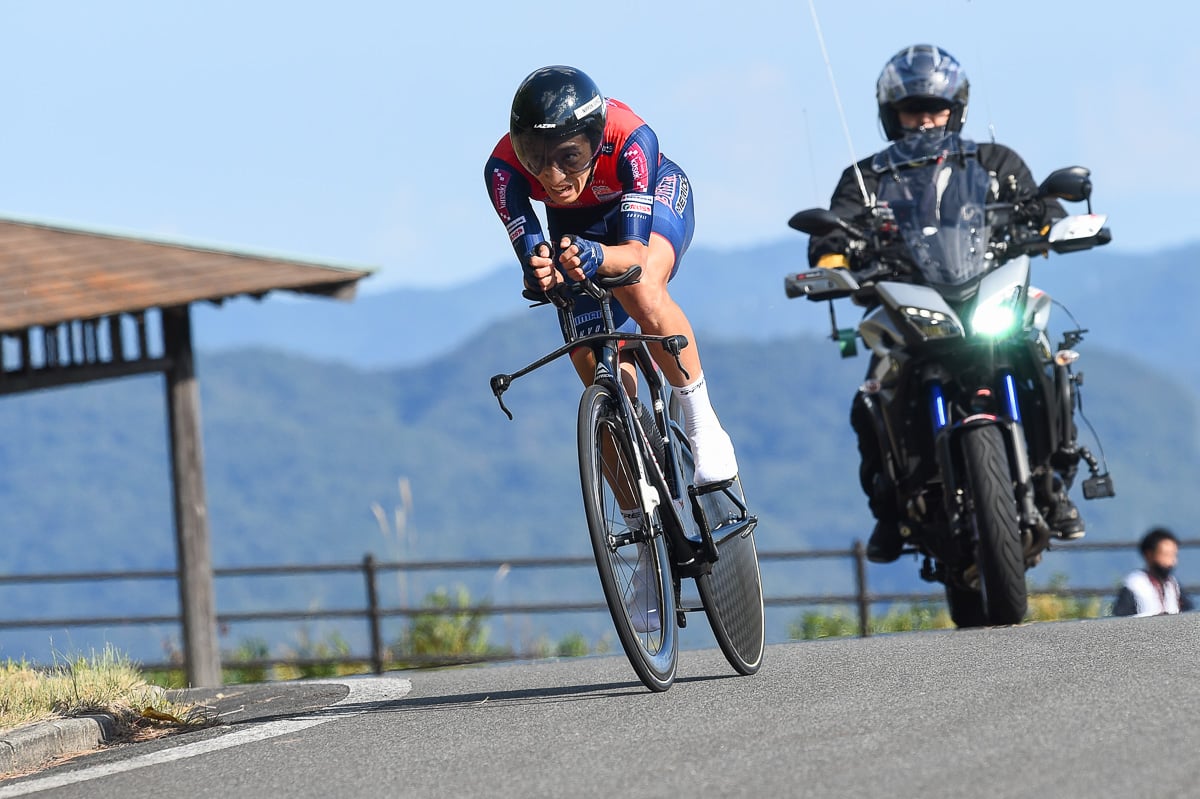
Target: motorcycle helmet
(552, 105)
(924, 77)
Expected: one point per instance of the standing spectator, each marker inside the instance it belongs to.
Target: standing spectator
(1154, 591)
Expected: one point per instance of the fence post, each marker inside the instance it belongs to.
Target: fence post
(860, 580)
(373, 614)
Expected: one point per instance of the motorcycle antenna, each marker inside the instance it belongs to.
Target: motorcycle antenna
(837, 99)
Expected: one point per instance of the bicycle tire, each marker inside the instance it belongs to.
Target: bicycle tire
(731, 592)
(653, 655)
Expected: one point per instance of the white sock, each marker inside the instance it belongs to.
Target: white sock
(715, 459)
(698, 413)
(633, 518)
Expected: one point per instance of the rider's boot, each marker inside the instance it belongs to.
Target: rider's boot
(885, 543)
(712, 449)
(1064, 519)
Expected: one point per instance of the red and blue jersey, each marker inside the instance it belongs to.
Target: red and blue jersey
(616, 206)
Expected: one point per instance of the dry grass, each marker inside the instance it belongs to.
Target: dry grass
(105, 682)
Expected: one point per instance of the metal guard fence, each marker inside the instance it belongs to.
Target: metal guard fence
(373, 613)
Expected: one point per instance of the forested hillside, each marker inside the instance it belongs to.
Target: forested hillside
(298, 450)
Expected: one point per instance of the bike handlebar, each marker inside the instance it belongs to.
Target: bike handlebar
(595, 287)
(599, 288)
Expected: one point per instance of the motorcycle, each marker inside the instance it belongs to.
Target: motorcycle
(971, 406)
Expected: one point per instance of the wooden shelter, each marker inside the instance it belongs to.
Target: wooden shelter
(78, 305)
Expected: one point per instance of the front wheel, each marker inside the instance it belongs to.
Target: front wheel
(998, 549)
(634, 568)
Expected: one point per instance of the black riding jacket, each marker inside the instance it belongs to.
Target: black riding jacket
(1002, 162)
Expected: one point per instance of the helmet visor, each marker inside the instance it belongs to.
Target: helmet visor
(568, 155)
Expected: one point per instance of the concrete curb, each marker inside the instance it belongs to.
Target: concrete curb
(28, 747)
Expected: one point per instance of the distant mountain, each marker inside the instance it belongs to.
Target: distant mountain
(727, 294)
(1140, 305)
(297, 451)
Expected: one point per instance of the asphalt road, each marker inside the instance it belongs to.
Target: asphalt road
(1084, 709)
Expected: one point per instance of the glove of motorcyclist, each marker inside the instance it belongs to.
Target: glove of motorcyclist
(833, 260)
(589, 253)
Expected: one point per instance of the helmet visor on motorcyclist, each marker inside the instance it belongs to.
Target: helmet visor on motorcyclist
(568, 155)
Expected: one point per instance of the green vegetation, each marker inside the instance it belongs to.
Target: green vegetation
(456, 634)
(1046, 603)
(103, 682)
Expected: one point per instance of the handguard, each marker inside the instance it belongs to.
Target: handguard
(820, 284)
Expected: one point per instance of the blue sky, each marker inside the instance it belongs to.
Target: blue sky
(357, 131)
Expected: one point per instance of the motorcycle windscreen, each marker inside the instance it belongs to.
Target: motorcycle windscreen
(940, 211)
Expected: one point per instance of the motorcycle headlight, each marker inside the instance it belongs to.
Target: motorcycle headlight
(996, 318)
(932, 324)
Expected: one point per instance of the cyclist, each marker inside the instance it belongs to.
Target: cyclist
(612, 202)
(922, 93)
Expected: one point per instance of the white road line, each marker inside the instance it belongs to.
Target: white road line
(362, 692)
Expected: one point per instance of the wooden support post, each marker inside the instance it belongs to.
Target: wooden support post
(196, 597)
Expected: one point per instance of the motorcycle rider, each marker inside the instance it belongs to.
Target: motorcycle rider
(922, 94)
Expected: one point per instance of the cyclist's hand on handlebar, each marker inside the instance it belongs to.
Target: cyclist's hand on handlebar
(538, 266)
(579, 257)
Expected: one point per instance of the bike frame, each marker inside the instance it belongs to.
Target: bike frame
(688, 557)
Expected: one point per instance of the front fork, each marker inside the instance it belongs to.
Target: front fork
(997, 407)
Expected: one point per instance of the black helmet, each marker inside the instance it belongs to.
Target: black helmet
(921, 72)
(551, 105)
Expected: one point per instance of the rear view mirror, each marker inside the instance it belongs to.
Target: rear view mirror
(816, 222)
(1072, 183)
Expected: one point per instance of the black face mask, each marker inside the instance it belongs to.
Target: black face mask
(1161, 572)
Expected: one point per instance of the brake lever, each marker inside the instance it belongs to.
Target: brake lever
(500, 384)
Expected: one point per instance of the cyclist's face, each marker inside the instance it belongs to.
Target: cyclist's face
(567, 169)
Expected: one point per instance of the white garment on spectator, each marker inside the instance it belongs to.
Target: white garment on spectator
(1153, 597)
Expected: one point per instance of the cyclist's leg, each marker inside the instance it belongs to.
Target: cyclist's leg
(584, 361)
(649, 302)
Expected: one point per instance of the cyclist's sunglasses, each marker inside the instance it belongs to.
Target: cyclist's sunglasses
(570, 156)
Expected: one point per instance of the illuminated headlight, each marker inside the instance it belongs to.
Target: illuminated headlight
(932, 324)
(994, 319)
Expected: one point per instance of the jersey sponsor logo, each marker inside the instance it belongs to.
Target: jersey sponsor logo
(500, 180)
(516, 228)
(603, 192)
(681, 200)
(637, 204)
(672, 191)
(639, 168)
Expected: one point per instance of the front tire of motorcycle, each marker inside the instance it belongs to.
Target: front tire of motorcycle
(998, 549)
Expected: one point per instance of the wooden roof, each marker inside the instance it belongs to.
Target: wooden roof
(52, 273)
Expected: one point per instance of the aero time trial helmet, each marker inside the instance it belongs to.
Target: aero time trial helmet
(553, 106)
